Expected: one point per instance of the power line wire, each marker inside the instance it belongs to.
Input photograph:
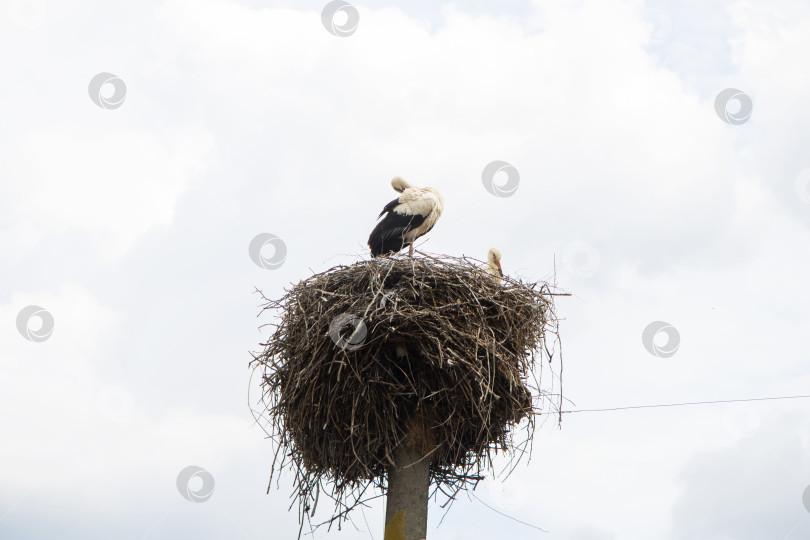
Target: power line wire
(684, 404)
(657, 405)
(507, 515)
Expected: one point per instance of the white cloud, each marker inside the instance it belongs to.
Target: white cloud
(243, 119)
(114, 185)
(75, 421)
(751, 489)
(80, 440)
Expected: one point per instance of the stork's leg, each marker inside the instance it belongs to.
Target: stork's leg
(410, 250)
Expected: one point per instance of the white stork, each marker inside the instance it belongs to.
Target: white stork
(494, 263)
(407, 218)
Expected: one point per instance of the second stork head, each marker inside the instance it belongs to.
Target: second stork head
(494, 263)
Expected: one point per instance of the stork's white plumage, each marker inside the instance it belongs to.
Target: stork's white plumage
(407, 217)
(493, 267)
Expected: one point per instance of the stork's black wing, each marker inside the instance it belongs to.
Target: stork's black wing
(389, 207)
(387, 236)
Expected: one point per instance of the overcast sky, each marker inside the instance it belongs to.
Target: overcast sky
(127, 216)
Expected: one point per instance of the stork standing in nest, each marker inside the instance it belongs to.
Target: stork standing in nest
(493, 267)
(407, 217)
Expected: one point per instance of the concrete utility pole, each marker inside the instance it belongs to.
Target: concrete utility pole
(407, 498)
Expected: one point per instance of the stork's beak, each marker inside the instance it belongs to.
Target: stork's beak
(500, 270)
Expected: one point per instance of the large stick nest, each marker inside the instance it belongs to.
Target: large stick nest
(431, 352)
